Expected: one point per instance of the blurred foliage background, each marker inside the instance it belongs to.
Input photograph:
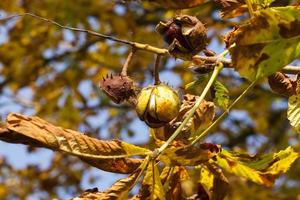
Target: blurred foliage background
(55, 73)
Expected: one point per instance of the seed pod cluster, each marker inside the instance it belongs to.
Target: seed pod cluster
(185, 34)
(157, 105)
(119, 88)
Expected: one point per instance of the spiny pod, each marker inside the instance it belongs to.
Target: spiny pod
(185, 34)
(157, 105)
(119, 87)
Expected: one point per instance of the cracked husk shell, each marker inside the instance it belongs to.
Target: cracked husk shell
(157, 105)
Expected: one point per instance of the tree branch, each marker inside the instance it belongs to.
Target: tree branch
(208, 62)
(146, 47)
(136, 45)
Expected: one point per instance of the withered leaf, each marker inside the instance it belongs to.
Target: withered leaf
(232, 8)
(282, 84)
(107, 155)
(172, 181)
(119, 190)
(267, 43)
(189, 156)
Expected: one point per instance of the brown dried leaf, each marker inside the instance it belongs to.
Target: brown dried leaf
(106, 155)
(282, 84)
(172, 178)
(119, 190)
(232, 8)
(189, 156)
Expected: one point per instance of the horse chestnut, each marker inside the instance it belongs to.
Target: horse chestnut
(119, 88)
(185, 34)
(157, 105)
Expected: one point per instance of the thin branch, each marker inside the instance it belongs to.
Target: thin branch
(126, 64)
(206, 131)
(145, 47)
(156, 70)
(210, 60)
(250, 8)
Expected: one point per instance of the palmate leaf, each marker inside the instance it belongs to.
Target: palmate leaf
(293, 112)
(267, 43)
(107, 155)
(263, 170)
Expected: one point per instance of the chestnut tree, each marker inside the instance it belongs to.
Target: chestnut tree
(80, 70)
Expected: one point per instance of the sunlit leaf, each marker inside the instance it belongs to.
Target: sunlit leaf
(189, 155)
(213, 181)
(152, 188)
(293, 112)
(262, 170)
(221, 95)
(37, 132)
(267, 43)
(262, 3)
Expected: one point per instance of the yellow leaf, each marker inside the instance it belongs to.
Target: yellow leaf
(262, 170)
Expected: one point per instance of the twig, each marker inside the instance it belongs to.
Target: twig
(249, 5)
(289, 69)
(156, 70)
(145, 47)
(221, 117)
(126, 64)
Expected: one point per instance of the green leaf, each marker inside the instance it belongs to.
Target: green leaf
(221, 95)
(293, 112)
(262, 170)
(267, 43)
(197, 86)
(152, 187)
